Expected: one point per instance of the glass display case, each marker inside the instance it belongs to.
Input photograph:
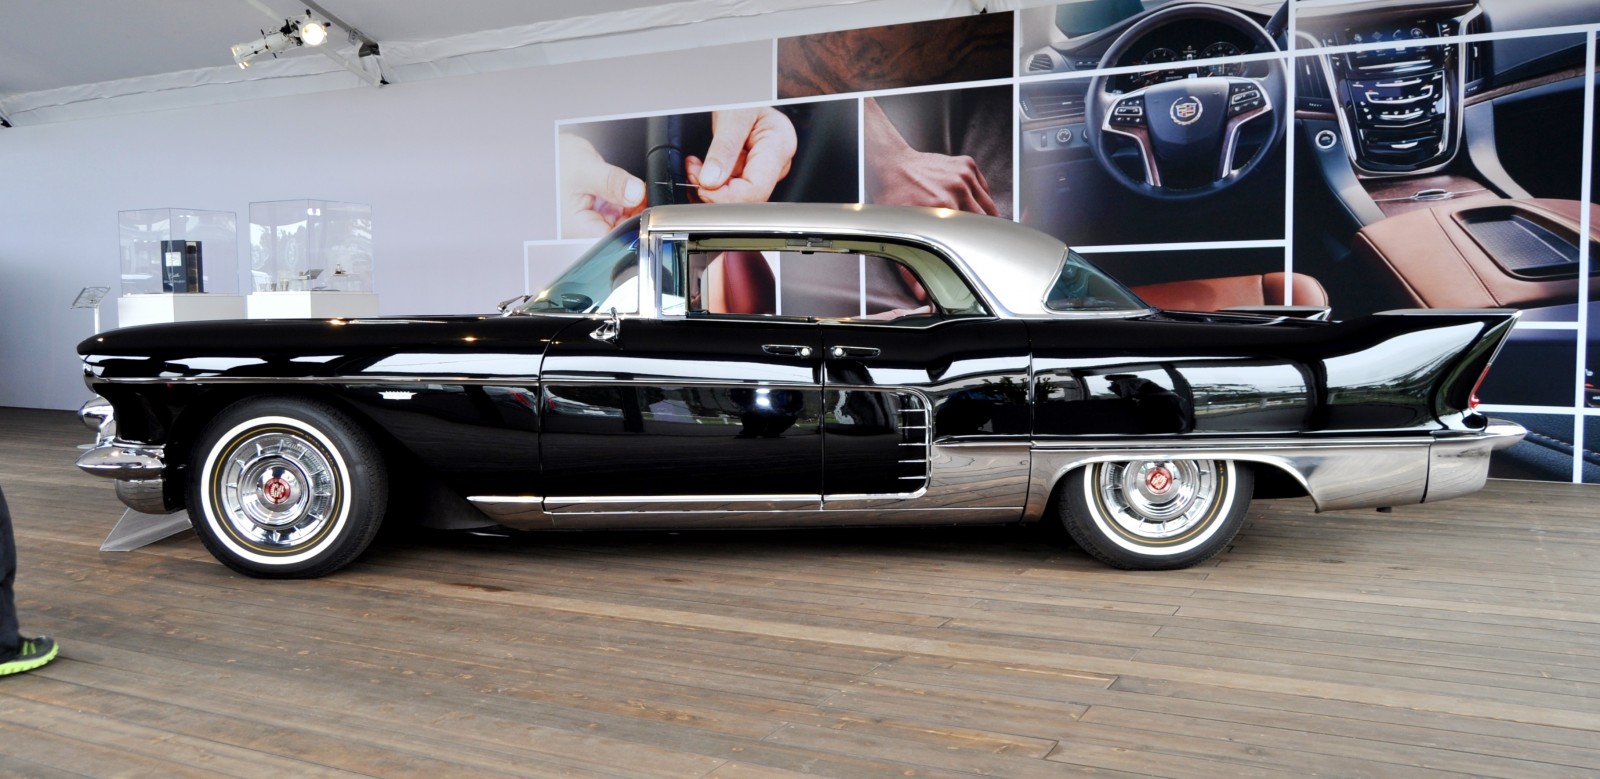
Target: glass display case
(178, 265)
(311, 258)
(310, 246)
(179, 250)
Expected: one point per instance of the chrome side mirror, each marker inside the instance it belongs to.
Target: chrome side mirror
(610, 329)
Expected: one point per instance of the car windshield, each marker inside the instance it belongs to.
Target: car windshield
(1080, 286)
(605, 277)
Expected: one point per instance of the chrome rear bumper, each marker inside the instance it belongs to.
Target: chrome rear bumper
(1459, 465)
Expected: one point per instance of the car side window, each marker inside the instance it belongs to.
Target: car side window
(820, 278)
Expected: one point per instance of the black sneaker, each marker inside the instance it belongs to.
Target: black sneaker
(35, 652)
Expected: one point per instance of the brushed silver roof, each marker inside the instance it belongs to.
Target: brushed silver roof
(1009, 265)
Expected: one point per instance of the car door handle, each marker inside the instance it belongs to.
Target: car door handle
(787, 350)
(853, 352)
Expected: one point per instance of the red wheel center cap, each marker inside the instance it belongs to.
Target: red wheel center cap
(1159, 480)
(276, 491)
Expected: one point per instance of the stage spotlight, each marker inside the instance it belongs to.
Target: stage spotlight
(313, 33)
(309, 32)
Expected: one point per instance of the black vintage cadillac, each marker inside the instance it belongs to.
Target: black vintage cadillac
(792, 365)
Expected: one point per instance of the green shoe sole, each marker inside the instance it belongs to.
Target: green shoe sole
(29, 663)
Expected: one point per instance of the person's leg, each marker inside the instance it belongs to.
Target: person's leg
(17, 654)
(10, 640)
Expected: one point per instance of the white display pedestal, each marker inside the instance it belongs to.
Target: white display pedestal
(312, 305)
(160, 307)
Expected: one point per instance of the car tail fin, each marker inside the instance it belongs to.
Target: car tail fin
(1457, 392)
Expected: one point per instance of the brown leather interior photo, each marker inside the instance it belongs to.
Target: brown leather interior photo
(1446, 257)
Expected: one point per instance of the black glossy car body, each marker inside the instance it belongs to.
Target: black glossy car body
(1022, 383)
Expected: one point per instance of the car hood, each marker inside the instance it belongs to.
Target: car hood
(442, 347)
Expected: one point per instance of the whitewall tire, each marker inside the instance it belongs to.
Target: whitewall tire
(1155, 514)
(286, 488)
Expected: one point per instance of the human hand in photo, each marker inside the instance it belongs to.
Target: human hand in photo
(595, 195)
(751, 150)
(900, 175)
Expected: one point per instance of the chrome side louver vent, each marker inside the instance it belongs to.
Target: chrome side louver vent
(916, 427)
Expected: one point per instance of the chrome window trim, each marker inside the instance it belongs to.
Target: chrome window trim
(950, 258)
(1015, 261)
(651, 274)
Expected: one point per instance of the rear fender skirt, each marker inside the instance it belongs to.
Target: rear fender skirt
(1336, 473)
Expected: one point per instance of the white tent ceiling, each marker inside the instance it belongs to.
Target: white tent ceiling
(67, 59)
(47, 44)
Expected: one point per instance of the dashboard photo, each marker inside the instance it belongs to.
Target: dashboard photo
(1153, 122)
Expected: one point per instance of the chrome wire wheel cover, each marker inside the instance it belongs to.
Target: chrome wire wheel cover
(1158, 501)
(277, 490)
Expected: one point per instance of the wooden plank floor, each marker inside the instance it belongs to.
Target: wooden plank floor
(1454, 639)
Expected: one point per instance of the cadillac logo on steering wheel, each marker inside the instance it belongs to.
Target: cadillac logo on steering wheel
(1186, 110)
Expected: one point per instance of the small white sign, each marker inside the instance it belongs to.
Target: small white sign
(90, 297)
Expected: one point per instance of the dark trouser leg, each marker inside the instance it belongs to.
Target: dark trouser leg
(10, 641)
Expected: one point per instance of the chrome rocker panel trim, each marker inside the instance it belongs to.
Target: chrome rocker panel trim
(968, 483)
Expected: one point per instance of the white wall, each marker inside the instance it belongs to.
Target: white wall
(458, 172)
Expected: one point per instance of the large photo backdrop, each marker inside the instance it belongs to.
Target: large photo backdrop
(1366, 156)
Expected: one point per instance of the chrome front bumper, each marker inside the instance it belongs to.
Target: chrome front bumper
(118, 459)
(137, 467)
